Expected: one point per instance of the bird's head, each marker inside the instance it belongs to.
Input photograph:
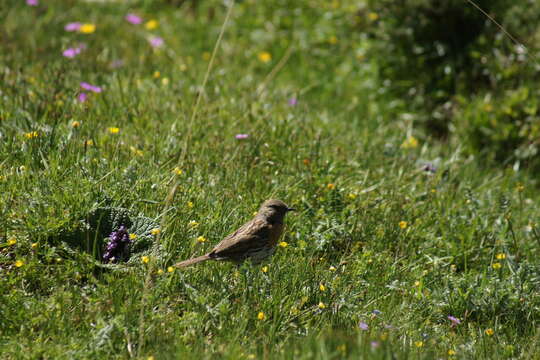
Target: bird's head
(274, 210)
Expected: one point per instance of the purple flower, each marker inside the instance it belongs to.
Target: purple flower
(118, 245)
(429, 168)
(376, 312)
(133, 19)
(293, 101)
(72, 52)
(241, 136)
(363, 326)
(32, 2)
(375, 344)
(455, 321)
(74, 26)
(156, 41)
(92, 88)
(82, 97)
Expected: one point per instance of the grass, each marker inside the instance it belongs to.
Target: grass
(376, 240)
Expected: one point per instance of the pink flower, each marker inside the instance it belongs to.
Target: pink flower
(74, 26)
(72, 52)
(92, 88)
(32, 2)
(156, 41)
(293, 101)
(241, 136)
(82, 97)
(133, 19)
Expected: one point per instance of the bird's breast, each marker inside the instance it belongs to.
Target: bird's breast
(275, 232)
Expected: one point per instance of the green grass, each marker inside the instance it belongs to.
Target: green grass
(337, 156)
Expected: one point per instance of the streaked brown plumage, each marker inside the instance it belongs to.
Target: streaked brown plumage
(255, 240)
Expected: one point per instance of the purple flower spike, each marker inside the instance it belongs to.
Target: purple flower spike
(74, 26)
(133, 19)
(82, 97)
(156, 41)
(363, 326)
(118, 245)
(293, 101)
(32, 2)
(241, 136)
(89, 87)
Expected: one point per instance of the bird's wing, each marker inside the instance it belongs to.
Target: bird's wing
(250, 235)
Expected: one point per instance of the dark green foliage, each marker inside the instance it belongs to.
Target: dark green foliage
(438, 51)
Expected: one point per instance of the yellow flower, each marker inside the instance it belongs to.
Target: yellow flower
(31, 134)
(160, 272)
(89, 142)
(157, 74)
(193, 223)
(145, 259)
(177, 171)
(34, 245)
(132, 236)
(418, 344)
(165, 81)
(330, 186)
(333, 40)
(151, 357)
(403, 224)
(410, 143)
(496, 265)
(321, 305)
(19, 263)
(352, 196)
(151, 24)
(11, 241)
(170, 269)
(322, 287)
(332, 268)
(113, 130)
(417, 283)
(201, 239)
(155, 231)
(500, 256)
(283, 244)
(190, 204)
(261, 316)
(264, 56)
(520, 187)
(489, 332)
(75, 124)
(264, 269)
(87, 28)
(373, 16)
(451, 352)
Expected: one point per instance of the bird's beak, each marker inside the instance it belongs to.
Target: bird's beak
(291, 209)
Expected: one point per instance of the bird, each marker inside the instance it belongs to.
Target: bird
(256, 240)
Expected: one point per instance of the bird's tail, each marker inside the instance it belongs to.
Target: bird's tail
(192, 261)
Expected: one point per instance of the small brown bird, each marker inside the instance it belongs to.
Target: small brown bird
(256, 240)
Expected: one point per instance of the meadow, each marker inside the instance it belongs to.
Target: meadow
(178, 119)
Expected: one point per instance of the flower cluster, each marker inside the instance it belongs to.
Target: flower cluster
(118, 245)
